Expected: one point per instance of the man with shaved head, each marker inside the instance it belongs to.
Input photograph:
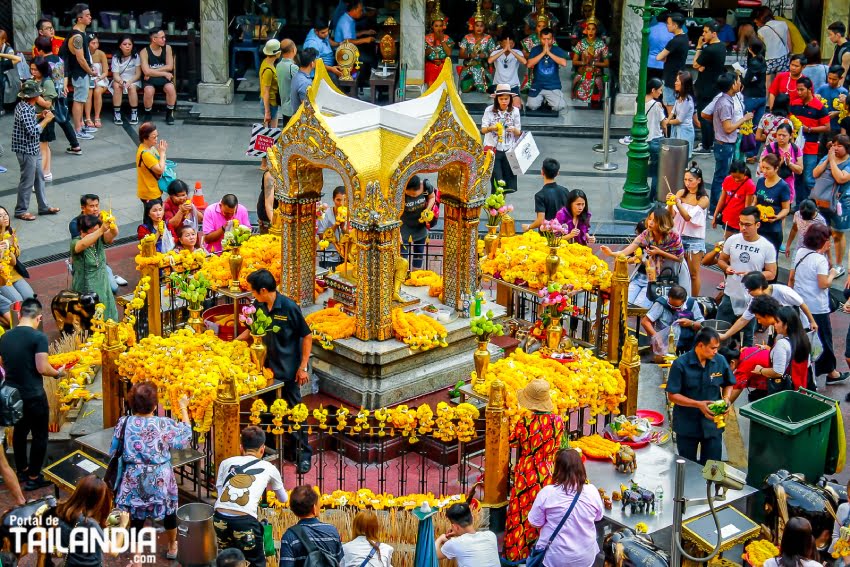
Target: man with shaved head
(286, 69)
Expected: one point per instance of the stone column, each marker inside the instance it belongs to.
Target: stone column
(630, 39)
(412, 39)
(833, 11)
(25, 13)
(216, 86)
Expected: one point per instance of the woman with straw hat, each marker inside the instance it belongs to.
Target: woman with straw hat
(538, 435)
(501, 128)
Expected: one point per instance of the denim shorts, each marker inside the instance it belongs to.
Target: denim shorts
(669, 96)
(272, 109)
(81, 88)
(693, 244)
(835, 222)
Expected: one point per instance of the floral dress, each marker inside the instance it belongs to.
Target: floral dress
(589, 74)
(769, 123)
(148, 488)
(435, 54)
(476, 71)
(539, 439)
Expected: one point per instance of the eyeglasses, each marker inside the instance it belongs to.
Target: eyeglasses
(47, 28)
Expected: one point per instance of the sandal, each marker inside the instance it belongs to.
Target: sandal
(97, 123)
(50, 211)
(25, 217)
(89, 123)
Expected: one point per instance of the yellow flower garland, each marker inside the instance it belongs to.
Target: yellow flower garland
(419, 332)
(330, 324)
(366, 499)
(257, 252)
(423, 278)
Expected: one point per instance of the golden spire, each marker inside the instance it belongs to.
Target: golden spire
(479, 14)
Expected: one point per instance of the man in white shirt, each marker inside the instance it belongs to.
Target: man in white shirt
(469, 547)
(744, 253)
(241, 484)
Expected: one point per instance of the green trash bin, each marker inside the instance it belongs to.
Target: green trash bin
(789, 430)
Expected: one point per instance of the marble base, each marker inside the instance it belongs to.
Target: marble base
(216, 93)
(625, 104)
(629, 215)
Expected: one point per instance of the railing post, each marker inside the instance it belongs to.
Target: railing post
(617, 308)
(497, 450)
(154, 298)
(110, 380)
(630, 370)
(225, 421)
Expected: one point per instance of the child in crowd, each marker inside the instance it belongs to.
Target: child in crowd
(576, 218)
(807, 215)
(739, 192)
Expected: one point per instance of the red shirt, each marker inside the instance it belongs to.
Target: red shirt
(750, 358)
(784, 83)
(812, 114)
(736, 197)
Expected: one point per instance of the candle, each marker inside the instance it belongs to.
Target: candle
(113, 25)
(170, 28)
(132, 26)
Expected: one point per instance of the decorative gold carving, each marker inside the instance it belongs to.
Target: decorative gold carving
(347, 58)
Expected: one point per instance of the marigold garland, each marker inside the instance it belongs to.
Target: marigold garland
(365, 498)
(186, 363)
(257, 252)
(586, 381)
(522, 258)
(759, 551)
(765, 212)
(329, 325)
(422, 278)
(419, 332)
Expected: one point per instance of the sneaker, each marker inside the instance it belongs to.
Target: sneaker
(169, 116)
(839, 271)
(842, 377)
(119, 280)
(134, 116)
(625, 140)
(48, 177)
(78, 151)
(83, 135)
(116, 119)
(3, 169)
(782, 250)
(702, 151)
(89, 129)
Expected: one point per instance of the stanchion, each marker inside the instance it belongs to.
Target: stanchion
(605, 165)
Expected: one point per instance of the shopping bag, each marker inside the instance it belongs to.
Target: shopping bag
(523, 154)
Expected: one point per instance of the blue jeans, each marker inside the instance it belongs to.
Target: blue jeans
(756, 105)
(810, 161)
(723, 153)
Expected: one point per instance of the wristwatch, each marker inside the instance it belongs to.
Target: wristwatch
(304, 369)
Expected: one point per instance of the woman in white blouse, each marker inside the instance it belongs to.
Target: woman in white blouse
(811, 277)
(365, 550)
(126, 80)
(502, 138)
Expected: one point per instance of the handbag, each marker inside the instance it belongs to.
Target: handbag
(169, 173)
(11, 405)
(111, 476)
(535, 558)
(784, 170)
(666, 279)
(834, 304)
(781, 383)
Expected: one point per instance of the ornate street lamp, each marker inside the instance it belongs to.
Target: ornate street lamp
(636, 195)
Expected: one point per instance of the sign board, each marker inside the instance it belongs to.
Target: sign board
(523, 153)
(68, 471)
(262, 138)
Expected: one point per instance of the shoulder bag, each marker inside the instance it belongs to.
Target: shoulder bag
(369, 557)
(834, 304)
(784, 382)
(535, 558)
(784, 170)
(112, 476)
(11, 405)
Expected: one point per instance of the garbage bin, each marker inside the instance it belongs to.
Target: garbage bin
(672, 162)
(196, 541)
(789, 430)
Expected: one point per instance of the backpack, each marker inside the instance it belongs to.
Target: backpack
(316, 556)
(11, 405)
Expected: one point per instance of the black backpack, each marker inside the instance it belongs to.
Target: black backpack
(11, 405)
(316, 556)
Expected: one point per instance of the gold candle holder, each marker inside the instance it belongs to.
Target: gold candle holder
(235, 263)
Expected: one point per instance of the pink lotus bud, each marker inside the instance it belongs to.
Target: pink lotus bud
(503, 209)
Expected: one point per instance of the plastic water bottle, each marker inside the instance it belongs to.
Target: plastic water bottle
(659, 495)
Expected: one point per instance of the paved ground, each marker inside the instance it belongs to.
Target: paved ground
(215, 156)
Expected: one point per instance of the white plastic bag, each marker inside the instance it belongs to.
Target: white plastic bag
(817, 345)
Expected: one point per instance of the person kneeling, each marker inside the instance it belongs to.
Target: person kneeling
(675, 309)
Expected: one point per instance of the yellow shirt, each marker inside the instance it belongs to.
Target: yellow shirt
(798, 44)
(146, 182)
(268, 78)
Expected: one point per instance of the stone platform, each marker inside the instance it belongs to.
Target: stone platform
(374, 374)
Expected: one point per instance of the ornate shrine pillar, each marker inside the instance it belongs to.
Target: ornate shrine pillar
(460, 255)
(298, 233)
(377, 247)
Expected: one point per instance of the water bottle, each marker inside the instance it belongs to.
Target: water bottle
(659, 495)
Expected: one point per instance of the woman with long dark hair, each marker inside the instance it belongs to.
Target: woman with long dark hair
(689, 220)
(40, 71)
(797, 548)
(126, 79)
(682, 118)
(662, 247)
(576, 218)
(812, 277)
(87, 508)
(15, 288)
(154, 223)
(575, 544)
(773, 192)
(790, 352)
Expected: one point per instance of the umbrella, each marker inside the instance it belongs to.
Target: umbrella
(426, 553)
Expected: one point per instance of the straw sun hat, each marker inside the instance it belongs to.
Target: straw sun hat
(535, 396)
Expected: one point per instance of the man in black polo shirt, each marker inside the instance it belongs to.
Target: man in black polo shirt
(710, 61)
(23, 353)
(551, 198)
(697, 379)
(288, 349)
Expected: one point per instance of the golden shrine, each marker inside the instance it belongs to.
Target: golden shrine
(376, 150)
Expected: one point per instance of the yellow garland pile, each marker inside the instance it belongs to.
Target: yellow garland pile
(419, 332)
(330, 324)
(759, 551)
(584, 382)
(257, 252)
(175, 260)
(523, 257)
(366, 499)
(422, 278)
(194, 365)
(596, 446)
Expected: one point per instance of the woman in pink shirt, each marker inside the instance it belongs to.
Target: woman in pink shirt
(575, 544)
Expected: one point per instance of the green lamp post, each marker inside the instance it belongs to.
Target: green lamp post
(636, 195)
